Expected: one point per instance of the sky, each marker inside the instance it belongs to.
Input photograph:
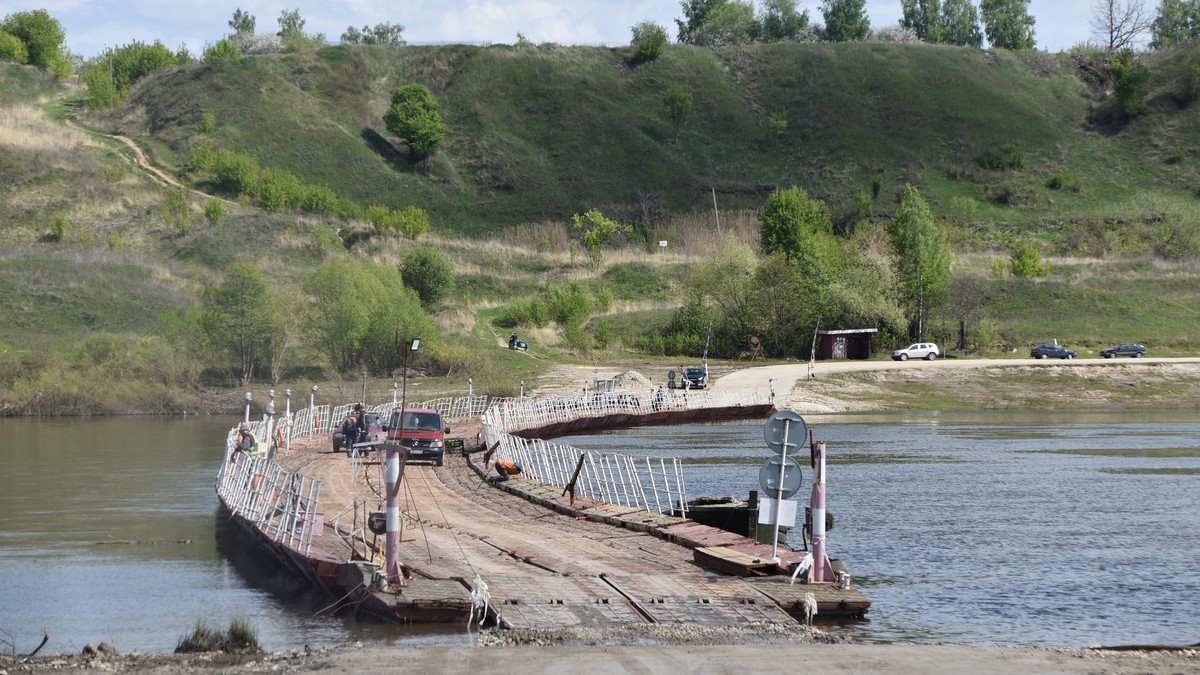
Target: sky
(93, 25)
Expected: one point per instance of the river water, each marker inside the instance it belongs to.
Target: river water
(964, 528)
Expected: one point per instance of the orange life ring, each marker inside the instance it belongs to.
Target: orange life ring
(316, 418)
(279, 437)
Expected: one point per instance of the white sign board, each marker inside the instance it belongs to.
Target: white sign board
(766, 511)
(662, 244)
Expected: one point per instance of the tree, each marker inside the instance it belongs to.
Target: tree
(781, 22)
(242, 23)
(1129, 81)
(597, 230)
(382, 34)
(960, 24)
(733, 23)
(922, 257)
(239, 318)
(1178, 21)
(43, 38)
(791, 222)
(429, 273)
(1025, 261)
(649, 41)
(12, 49)
(924, 17)
(845, 20)
(1117, 24)
(696, 14)
(414, 118)
(679, 105)
(291, 24)
(1007, 23)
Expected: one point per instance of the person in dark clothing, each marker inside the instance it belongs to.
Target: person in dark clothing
(349, 434)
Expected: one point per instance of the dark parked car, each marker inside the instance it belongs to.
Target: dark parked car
(1130, 349)
(694, 378)
(1044, 351)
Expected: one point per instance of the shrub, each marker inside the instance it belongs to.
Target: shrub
(530, 312)
(239, 638)
(278, 190)
(1003, 157)
(1056, 181)
(214, 211)
(649, 41)
(1025, 261)
(12, 49)
(177, 210)
(428, 273)
(58, 226)
(411, 221)
(235, 172)
(317, 199)
(223, 52)
(208, 122)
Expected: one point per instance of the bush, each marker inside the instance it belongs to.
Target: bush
(12, 49)
(649, 41)
(317, 199)
(411, 221)
(428, 273)
(214, 211)
(224, 52)
(235, 172)
(177, 210)
(1025, 261)
(278, 190)
(529, 312)
(1003, 157)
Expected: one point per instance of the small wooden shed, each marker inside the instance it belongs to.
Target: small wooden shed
(851, 343)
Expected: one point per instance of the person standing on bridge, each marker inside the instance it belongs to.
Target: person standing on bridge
(506, 468)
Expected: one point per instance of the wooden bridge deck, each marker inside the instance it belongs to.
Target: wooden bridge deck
(548, 563)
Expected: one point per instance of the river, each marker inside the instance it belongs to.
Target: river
(996, 528)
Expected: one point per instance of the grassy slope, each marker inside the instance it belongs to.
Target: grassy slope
(539, 133)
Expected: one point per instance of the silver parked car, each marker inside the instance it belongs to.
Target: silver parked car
(917, 350)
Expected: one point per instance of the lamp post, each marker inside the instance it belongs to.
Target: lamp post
(395, 387)
(771, 383)
(312, 408)
(249, 397)
(271, 405)
(391, 565)
(522, 389)
(470, 389)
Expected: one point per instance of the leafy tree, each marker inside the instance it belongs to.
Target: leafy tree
(1117, 24)
(724, 277)
(733, 23)
(597, 230)
(414, 118)
(791, 222)
(224, 51)
(781, 22)
(845, 20)
(924, 17)
(679, 105)
(381, 34)
(238, 319)
(361, 312)
(12, 49)
(115, 72)
(1129, 82)
(43, 38)
(780, 304)
(1008, 23)
(1177, 21)
(429, 273)
(412, 222)
(1025, 261)
(291, 31)
(696, 14)
(649, 41)
(922, 258)
(960, 24)
(242, 22)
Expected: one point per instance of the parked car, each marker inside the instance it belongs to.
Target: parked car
(918, 350)
(1045, 351)
(422, 433)
(694, 377)
(1130, 349)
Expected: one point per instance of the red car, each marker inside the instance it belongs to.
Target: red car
(422, 433)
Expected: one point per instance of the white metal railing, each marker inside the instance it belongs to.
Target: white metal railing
(283, 504)
(647, 483)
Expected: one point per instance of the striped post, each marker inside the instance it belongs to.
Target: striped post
(821, 566)
(391, 552)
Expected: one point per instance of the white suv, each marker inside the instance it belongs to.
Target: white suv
(919, 350)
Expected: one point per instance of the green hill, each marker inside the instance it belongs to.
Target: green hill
(98, 282)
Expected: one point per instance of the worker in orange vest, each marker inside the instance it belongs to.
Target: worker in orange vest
(506, 468)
